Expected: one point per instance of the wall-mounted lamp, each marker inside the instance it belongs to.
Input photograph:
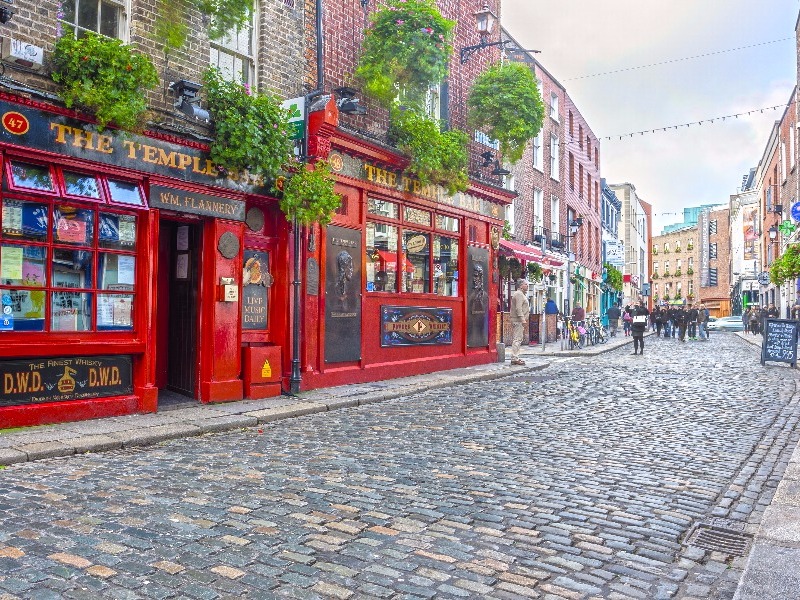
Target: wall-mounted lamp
(576, 223)
(487, 159)
(347, 103)
(498, 170)
(773, 232)
(187, 94)
(485, 20)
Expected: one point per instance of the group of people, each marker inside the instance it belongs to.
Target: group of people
(753, 317)
(680, 321)
(634, 322)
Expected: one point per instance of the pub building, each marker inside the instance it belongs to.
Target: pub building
(132, 273)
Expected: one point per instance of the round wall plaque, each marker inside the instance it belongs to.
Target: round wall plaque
(254, 218)
(228, 245)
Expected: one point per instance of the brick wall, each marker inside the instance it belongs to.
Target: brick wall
(659, 259)
(717, 298)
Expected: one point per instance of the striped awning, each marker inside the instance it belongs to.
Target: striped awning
(520, 251)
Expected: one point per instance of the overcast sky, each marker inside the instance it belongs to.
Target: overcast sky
(684, 167)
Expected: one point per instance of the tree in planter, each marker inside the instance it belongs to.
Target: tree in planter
(251, 130)
(104, 76)
(406, 49)
(308, 195)
(505, 101)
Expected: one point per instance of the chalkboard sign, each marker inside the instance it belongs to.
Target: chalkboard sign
(780, 341)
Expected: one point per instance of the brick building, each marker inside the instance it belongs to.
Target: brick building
(714, 260)
(675, 275)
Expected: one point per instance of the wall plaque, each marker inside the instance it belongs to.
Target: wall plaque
(254, 218)
(342, 295)
(255, 286)
(416, 326)
(228, 245)
(198, 204)
(58, 379)
(477, 297)
(312, 277)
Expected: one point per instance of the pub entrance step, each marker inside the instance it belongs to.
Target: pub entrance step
(171, 400)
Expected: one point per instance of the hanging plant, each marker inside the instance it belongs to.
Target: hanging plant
(787, 266)
(535, 272)
(503, 266)
(507, 233)
(516, 267)
(104, 76)
(436, 157)
(308, 195)
(406, 49)
(251, 130)
(613, 276)
(505, 101)
(225, 15)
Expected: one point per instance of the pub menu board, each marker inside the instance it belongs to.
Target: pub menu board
(780, 341)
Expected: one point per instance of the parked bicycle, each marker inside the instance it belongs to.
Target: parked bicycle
(596, 332)
(575, 333)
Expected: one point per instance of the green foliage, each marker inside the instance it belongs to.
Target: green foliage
(171, 28)
(503, 266)
(251, 130)
(104, 76)
(309, 196)
(690, 271)
(507, 233)
(654, 275)
(515, 268)
(787, 266)
(613, 276)
(505, 101)
(225, 15)
(436, 157)
(678, 272)
(406, 48)
(677, 295)
(535, 272)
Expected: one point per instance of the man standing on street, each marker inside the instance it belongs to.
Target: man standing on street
(613, 319)
(520, 307)
(702, 321)
(639, 326)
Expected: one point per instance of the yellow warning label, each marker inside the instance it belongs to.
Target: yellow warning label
(266, 370)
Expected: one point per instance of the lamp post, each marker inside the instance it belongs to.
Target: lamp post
(573, 229)
(485, 20)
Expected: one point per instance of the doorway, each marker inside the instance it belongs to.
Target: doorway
(178, 304)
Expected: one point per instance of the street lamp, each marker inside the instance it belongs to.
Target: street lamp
(484, 21)
(573, 229)
(773, 232)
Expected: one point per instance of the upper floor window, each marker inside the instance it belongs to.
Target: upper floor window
(538, 207)
(433, 102)
(554, 163)
(571, 124)
(99, 16)
(554, 106)
(233, 54)
(538, 152)
(580, 136)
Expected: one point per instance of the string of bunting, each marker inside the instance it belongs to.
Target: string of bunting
(710, 120)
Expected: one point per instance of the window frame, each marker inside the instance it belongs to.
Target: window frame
(123, 23)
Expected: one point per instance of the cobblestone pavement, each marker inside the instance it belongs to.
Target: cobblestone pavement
(579, 481)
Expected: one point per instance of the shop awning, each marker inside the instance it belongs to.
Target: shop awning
(553, 262)
(390, 258)
(520, 251)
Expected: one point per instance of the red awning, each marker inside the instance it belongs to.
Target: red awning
(390, 258)
(554, 262)
(520, 251)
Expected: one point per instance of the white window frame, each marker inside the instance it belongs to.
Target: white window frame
(783, 160)
(554, 106)
(538, 152)
(122, 24)
(554, 157)
(555, 209)
(222, 47)
(433, 102)
(510, 210)
(538, 208)
(792, 149)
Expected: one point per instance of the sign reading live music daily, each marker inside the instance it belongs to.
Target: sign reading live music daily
(57, 379)
(198, 204)
(37, 129)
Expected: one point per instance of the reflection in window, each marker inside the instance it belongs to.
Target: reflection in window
(381, 263)
(71, 311)
(23, 265)
(78, 184)
(34, 177)
(27, 308)
(419, 217)
(72, 268)
(24, 220)
(72, 225)
(124, 192)
(417, 252)
(447, 223)
(382, 208)
(117, 232)
(445, 266)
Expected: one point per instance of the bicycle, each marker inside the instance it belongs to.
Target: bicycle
(575, 334)
(597, 333)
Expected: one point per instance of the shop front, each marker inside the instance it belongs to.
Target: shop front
(121, 267)
(404, 280)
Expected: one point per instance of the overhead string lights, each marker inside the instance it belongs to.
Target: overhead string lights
(710, 120)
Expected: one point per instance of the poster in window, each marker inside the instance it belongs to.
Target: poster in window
(182, 266)
(477, 297)
(72, 231)
(183, 238)
(125, 269)
(256, 280)
(11, 263)
(12, 217)
(343, 295)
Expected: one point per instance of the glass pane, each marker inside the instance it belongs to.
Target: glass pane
(117, 232)
(227, 68)
(447, 223)
(23, 265)
(68, 8)
(72, 225)
(71, 311)
(24, 220)
(79, 184)
(114, 312)
(72, 268)
(87, 14)
(27, 310)
(116, 272)
(381, 258)
(420, 217)
(124, 192)
(416, 271)
(445, 266)
(382, 208)
(109, 20)
(34, 177)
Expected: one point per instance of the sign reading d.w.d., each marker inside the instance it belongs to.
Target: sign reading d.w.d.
(58, 379)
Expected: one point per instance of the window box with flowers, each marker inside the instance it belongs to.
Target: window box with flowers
(666, 250)
(654, 275)
(666, 273)
(690, 271)
(690, 246)
(678, 272)
(655, 250)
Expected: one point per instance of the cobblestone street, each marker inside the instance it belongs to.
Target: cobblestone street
(581, 480)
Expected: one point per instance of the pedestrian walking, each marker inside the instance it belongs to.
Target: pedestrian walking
(627, 319)
(520, 307)
(681, 319)
(613, 315)
(702, 321)
(691, 321)
(638, 327)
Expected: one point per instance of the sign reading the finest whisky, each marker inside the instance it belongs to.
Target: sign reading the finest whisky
(197, 204)
(58, 379)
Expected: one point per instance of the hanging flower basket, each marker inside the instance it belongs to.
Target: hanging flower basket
(309, 195)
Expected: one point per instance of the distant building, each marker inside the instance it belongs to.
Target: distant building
(675, 273)
(690, 216)
(635, 218)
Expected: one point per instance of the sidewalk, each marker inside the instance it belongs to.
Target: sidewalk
(772, 570)
(99, 435)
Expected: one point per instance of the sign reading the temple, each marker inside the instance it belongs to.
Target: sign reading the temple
(416, 326)
(198, 204)
(58, 379)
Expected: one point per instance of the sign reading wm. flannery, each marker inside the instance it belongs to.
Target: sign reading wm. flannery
(344, 164)
(198, 204)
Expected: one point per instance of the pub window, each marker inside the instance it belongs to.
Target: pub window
(233, 54)
(417, 254)
(66, 264)
(381, 263)
(99, 16)
(382, 208)
(31, 177)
